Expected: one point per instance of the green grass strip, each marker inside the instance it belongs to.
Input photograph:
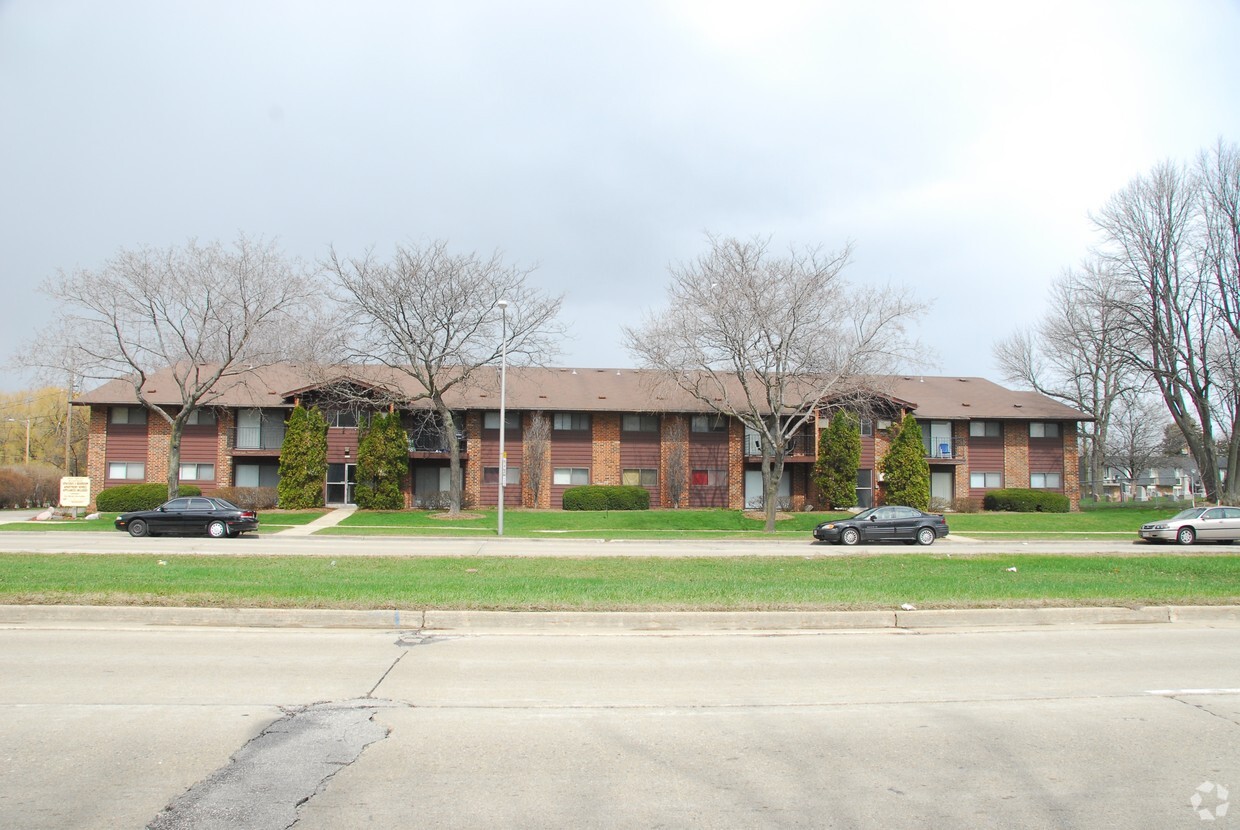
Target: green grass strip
(619, 583)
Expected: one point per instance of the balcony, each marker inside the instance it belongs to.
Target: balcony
(433, 443)
(265, 437)
(940, 447)
(798, 446)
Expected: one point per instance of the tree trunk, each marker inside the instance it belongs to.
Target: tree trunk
(454, 458)
(176, 429)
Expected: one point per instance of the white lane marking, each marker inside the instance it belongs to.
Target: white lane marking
(1178, 692)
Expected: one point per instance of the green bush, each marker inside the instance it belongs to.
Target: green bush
(249, 498)
(127, 497)
(607, 497)
(1026, 501)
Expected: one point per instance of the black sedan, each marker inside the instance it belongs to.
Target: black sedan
(190, 514)
(883, 524)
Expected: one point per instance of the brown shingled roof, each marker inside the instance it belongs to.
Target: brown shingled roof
(589, 390)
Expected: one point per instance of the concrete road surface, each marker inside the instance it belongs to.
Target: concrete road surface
(111, 725)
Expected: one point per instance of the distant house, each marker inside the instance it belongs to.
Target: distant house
(608, 426)
(1174, 477)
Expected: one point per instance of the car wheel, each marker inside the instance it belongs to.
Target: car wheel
(926, 536)
(138, 528)
(850, 536)
(1186, 536)
(217, 530)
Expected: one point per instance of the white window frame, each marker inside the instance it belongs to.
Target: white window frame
(1045, 481)
(490, 420)
(646, 477)
(639, 423)
(490, 476)
(132, 415)
(715, 477)
(1044, 429)
(989, 480)
(201, 418)
(570, 476)
(983, 429)
(195, 468)
(130, 470)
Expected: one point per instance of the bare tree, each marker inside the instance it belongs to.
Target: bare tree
(1134, 442)
(1158, 233)
(435, 316)
(1079, 353)
(537, 447)
(204, 313)
(767, 339)
(676, 466)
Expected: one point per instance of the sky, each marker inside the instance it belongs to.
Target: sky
(960, 146)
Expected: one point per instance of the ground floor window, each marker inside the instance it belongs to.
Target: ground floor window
(126, 470)
(257, 475)
(640, 478)
(570, 475)
(708, 478)
(490, 475)
(985, 481)
(1045, 481)
(197, 472)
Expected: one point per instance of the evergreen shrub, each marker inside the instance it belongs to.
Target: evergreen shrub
(607, 497)
(1016, 500)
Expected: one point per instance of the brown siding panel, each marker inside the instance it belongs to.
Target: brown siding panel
(514, 448)
(569, 448)
(985, 456)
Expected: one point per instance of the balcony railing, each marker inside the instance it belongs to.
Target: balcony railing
(797, 445)
(265, 437)
(939, 447)
(433, 442)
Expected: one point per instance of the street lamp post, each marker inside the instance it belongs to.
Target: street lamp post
(503, 413)
(27, 420)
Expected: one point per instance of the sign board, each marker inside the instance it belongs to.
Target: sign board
(75, 491)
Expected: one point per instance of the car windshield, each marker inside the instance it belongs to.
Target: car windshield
(1191, 513)
(867, 513)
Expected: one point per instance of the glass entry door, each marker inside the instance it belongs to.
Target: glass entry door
(341, 479)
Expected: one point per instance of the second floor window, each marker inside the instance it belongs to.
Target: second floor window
(708, 423)
(1043, 429)
(985, 429)
(512, 420)
(570, 421)
(127, 415)
(639, 423)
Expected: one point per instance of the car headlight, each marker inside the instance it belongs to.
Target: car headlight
(1159, 527)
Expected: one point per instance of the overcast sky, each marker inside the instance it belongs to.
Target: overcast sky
(959, 145)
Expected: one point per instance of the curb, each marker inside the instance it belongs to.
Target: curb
(619, 621)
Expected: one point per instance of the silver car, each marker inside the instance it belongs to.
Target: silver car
(1209, 524)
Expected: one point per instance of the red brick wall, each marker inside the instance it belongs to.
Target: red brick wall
(96, 451)
(666, 445)
(1016, 454)
(605, 458)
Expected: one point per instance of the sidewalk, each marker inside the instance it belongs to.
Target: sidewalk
(329, 520)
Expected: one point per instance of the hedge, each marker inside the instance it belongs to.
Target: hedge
(607, 497)
(249, 498)
(1026, 501)
(127, 497)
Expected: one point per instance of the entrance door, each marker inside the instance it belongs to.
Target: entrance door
(941, 485)
(341, 479)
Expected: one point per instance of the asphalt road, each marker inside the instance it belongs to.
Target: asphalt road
(1092, 727)
(280, 544)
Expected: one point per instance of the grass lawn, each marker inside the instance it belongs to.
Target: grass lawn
(714, 524)
(800, 582)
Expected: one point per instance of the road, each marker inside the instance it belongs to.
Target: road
(278, 544)
(106, 725)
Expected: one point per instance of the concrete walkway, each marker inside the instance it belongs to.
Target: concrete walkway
(328, 520)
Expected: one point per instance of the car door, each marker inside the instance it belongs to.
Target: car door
(198, 514)
(170, 518)
(1231, 524)
(1212, 525)
(904, 525)
(883, 525)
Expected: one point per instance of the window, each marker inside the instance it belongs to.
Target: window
(570, 421)
(1043, 481)
(490, 475)
(127, 415)
(640, 478)
(867, 426)
(128, 470)
(569, 475)
(512, 420)
(708, 423)
(985, 481)
(639, 423)
(198, 472)
(201, 418)
(985, 429)
(708, 478)
(1043, 429)
(341, 418)
(257, 475)
(865, 488)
